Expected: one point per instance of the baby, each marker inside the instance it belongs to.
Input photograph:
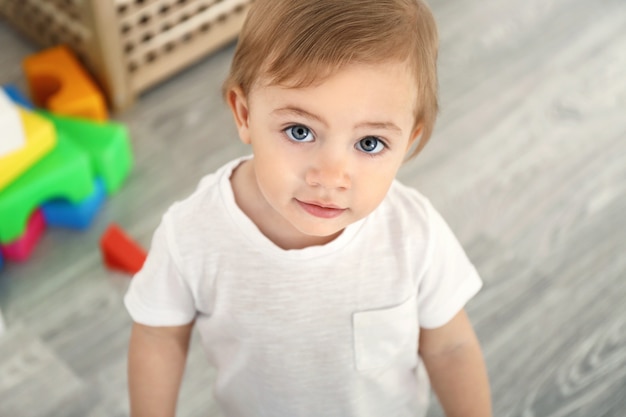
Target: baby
(320, 285)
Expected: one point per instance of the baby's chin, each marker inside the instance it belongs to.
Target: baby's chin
(315, 236)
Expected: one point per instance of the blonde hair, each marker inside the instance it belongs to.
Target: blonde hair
(299, 42)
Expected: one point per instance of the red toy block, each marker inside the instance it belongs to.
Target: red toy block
(120, 252)
(20, 249)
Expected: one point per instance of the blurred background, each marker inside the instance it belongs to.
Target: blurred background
(527, 164)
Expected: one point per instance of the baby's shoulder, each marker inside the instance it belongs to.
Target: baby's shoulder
(207, 202)
(193, 208)
(203, 217)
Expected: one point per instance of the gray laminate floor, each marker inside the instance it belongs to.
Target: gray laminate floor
(527, 164)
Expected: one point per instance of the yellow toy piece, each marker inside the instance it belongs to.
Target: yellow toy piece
(40, 139)
(60, 84)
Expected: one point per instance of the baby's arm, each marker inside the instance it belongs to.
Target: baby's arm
(156, 362)
(456, 368)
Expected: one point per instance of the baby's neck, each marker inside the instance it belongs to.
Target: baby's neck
(250, 200)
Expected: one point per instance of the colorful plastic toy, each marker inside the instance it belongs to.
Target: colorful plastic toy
(66, 166)
(120, 252)
(107, 145)
(20, 249)
(60, 84)
(40, 139)
(65, 172)
(13, 135)
(62, 213)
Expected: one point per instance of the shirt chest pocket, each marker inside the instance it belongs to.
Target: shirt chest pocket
(386, 336)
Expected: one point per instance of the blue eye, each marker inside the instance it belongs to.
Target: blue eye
(299, 133)
(371, 145)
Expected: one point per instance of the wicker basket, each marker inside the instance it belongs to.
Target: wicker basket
(130, 45)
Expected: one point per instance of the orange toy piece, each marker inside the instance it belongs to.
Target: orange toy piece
(59, 83)
(120, 252)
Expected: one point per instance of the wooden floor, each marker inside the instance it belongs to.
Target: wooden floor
(528, 165)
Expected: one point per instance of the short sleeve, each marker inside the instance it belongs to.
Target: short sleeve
(449, 281)
(158, 294)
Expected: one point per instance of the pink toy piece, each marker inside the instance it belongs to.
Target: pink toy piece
(20, 249)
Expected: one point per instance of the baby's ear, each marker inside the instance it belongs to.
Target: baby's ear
(415, 135)
(238, 103)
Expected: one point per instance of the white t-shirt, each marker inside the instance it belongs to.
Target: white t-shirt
(323, 331)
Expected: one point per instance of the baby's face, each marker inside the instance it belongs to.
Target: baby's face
(326, 155)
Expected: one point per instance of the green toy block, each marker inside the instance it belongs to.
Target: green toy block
(106, 143)
(65, 172)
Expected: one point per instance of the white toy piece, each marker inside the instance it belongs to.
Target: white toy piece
(11, 130)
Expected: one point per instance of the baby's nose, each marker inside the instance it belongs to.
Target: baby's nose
(329, 170)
